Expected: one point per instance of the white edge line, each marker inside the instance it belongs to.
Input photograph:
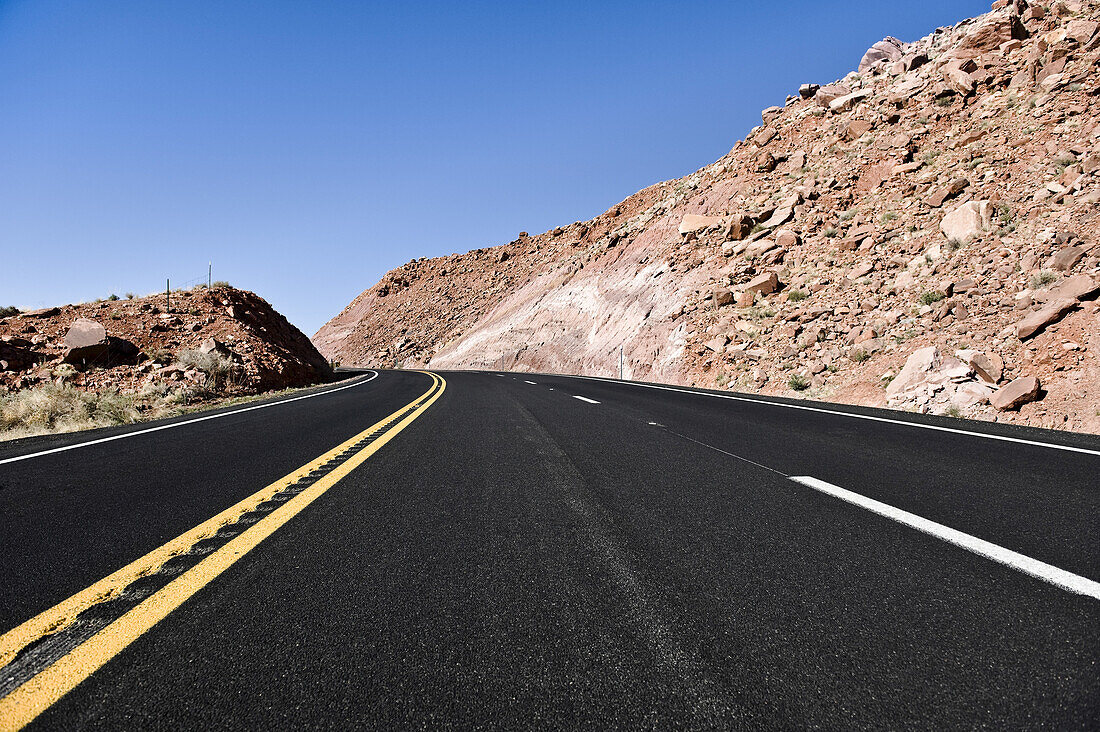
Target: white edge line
(872, 418)
(135, 433)
(532, 383)
(585, 399)
(1027, 565)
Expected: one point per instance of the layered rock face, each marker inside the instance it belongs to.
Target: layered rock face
(126, 344)
(942, 197)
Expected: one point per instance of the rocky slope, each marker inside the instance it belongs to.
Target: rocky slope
(129, 344)
(920, 234)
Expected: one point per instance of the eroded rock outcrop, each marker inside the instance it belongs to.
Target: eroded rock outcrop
(942, 196)
(129, 343)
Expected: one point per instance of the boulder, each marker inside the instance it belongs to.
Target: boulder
(959, 81)
(723, 296)
(764, 136)
(861, 270)
(738, 226)
(1015, 393)
(848, 101)
(1078, 287)
(952, 189)
(87, 343)
(968, 221)
(86, 340)
(778, 218)
(787, 238)
(856, 129)
(987, 368)
(874, 175)
(717, 343)
(1065, 258)
(213, 345)
(1051, 313)
(806, 91)
(888, 49)
(760, 247)
(41, 313)
(918, 366)
(997, 29)
(971, 393)
(826, 94)
(1082, 31)
(765, 284)
(693, 223)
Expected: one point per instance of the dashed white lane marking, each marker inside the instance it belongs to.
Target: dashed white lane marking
(585, 399)
(374, 375)
(1027, 565)
(838, 413)
(525, 381)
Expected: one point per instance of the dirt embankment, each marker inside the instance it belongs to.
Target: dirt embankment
(93, 364)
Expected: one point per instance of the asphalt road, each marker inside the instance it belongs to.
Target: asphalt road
(519, 557)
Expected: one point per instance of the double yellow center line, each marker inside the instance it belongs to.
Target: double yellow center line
(47, 685)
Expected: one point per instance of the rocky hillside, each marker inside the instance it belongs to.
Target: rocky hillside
(129, 344)
(919, 234)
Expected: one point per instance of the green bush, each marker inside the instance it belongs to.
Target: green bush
(796, 296)
(798, 382)
(8, 311)
(931, 296)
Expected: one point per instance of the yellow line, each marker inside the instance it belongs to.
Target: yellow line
(37, 694)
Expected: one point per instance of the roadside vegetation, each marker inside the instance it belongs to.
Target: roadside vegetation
(60, 407)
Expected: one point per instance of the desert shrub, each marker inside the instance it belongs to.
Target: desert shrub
(796, 295)
(8, 311)
(64, 371)
(160, 355)
(63, 408)
(220, 283)
(798, 382)
(219, 369)
(831, 232)
(931, 296)
(112, 297)
(859, 355)
(1042, 279)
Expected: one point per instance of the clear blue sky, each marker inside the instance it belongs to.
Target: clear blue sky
(308, 147)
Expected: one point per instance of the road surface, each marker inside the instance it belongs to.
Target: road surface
(517, 551)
